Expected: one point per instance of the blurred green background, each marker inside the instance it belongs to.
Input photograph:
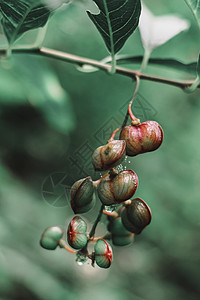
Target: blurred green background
(51, 116)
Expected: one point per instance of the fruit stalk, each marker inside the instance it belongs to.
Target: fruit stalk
(64, 245)
(92, 232)
(131, 101)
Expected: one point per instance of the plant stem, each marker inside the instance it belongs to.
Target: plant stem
(107, 236)
(147, 54)
(96, 183)
(70, 58)
(113, 64)
(193, 87)
(112, 50)
(92, 232)
(129, 112)
(40, 36)
(113, 135)
(64, 245)
(194, 12)
(133, 118)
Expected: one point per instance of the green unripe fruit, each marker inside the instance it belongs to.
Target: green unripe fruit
(82, 195)
(50, 237)
(103, 254)
(120, 235)
(136, 216)
(76, 233)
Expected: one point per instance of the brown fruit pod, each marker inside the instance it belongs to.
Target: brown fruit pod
(108, 156)
(82, 195)
(117, 189)
(136, 215)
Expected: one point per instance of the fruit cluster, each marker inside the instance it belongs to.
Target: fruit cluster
(114, 189)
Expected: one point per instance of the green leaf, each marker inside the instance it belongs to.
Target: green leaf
(21, 16)
(195, 7)
(116, 21)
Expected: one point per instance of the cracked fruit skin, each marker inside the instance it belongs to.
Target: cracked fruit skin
(121, 187)
(108, 156)
(136, 215)
(76, 233)
(141, 138)
(103, 254)
(50, 237)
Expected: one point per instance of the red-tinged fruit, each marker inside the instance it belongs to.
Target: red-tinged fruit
(109, 155)
(142, 137)
(118, 188)
(136, 215)
(76, 233)
(103, 254)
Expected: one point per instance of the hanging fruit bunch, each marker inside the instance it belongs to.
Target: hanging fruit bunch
(115, 189)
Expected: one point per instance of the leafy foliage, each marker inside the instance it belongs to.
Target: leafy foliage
(21, 16)
(195, 7)
(164, 263)
(157, 30)
(116, 21)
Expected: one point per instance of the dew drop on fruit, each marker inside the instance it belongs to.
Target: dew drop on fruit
(120, 168)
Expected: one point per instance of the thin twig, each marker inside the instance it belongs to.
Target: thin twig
(70, 58)
(92, 232)
(131, 101)
(64, 245)
(107, 236)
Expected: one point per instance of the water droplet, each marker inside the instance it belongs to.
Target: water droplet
(81, 258)
(120, 168)
(111, 208)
